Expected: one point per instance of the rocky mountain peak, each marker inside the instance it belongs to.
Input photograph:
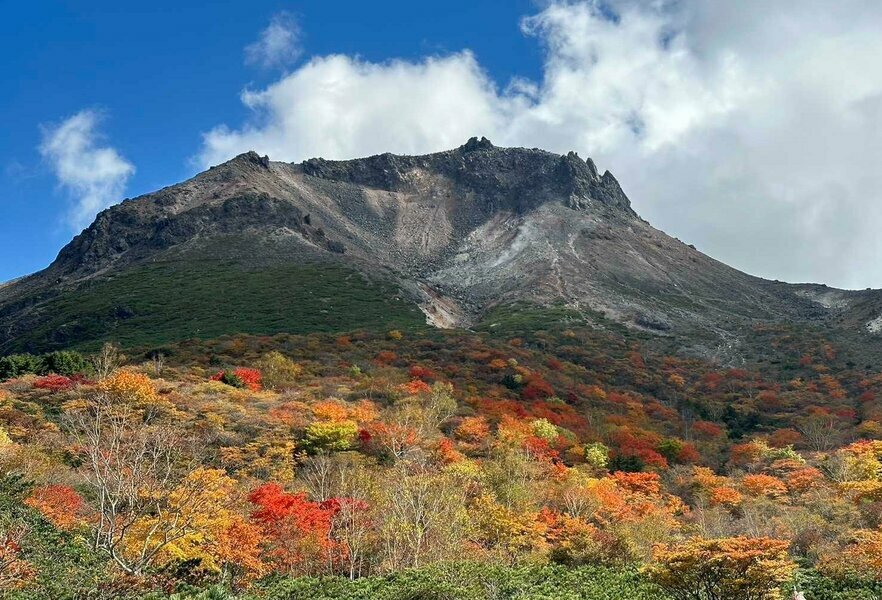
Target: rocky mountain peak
(476, 182)
(458, 232)
(475, 144)
(254, 158)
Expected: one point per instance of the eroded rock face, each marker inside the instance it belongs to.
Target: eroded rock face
(460, 231)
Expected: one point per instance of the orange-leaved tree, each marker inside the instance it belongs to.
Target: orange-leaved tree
(722, 569)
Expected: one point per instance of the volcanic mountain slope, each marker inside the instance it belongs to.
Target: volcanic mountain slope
(255, 246)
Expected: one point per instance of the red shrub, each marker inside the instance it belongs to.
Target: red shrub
(415, 387)
(688, 454)
(537, 389)
(706, 430)
(385, 357)
(296, 529)
(250, 377)
(58, 383)
(554, 364)
(59, 504)
(540, 449)
(423, 373)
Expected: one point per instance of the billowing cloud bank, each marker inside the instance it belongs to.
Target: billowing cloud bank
(750, 129)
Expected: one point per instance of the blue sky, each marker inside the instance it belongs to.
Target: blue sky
(751, 129)
(164, 72)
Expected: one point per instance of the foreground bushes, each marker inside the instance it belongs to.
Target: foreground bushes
(456, 581)
(475, 581)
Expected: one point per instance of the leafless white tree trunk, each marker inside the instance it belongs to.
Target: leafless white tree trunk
(133, 468)
(107, 360)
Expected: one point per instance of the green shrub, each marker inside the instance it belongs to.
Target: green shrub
(231, 379)
(471, 581)
(66, 362)
(16, 365)
(215, 592)
(815, 585)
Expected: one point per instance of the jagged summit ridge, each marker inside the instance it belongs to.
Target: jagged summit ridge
(481, 167)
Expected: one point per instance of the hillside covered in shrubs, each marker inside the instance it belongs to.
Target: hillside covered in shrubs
(432, 464)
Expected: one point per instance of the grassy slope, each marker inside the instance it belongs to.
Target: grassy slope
(173, 300)
(169, 301)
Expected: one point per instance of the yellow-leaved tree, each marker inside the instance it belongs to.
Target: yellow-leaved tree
(726, 568)
(209, 530)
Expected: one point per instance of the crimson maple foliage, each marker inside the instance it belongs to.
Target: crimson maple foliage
(296, 530)
(58, 383)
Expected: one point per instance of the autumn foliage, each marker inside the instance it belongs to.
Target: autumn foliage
(295, 530)
(241, 377)
(364, 454)
(59, 504)
(738, 567)
(129, 386)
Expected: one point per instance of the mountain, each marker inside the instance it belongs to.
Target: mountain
(463, 238)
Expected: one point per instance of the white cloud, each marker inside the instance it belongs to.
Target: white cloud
(94, 175)
(752, 129)
(339, 106)
(278, 44)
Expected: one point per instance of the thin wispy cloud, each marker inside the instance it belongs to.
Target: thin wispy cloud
(94, 174)
(278, 45)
